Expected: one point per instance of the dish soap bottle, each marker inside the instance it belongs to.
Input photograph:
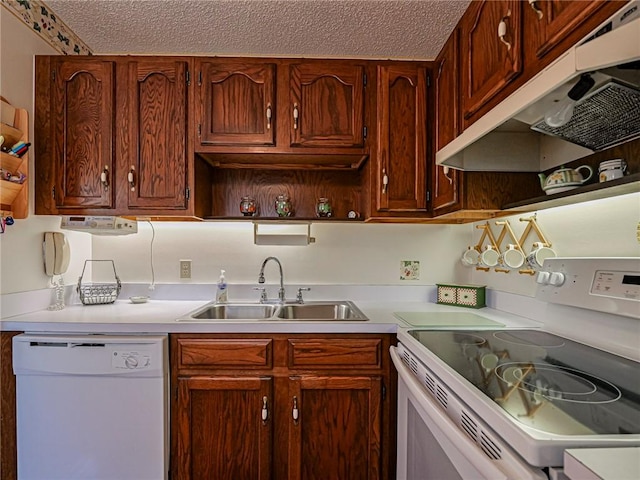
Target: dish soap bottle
(221, 295)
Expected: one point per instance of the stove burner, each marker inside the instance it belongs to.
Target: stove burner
(530, 339)
(555, 383)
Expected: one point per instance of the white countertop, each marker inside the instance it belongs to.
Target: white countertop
(602, 463)
(160, 316)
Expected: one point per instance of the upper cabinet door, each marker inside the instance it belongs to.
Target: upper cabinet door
(445, 187)
(402, 138)
(82, 104)
(326, 105)
(556, 19)
(235, 103)
(153, 133)
(491, 52)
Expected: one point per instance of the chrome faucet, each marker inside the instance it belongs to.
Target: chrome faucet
(281, 294)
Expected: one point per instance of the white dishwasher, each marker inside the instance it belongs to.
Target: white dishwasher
(92, 406)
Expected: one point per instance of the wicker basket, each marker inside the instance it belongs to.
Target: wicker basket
(98, 293)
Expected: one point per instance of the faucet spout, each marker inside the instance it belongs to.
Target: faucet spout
(281, 293)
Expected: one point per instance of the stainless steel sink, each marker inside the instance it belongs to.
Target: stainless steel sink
(309, 311)
(234, 311)
(320, 311)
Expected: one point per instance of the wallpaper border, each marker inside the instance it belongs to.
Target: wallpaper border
(43, 21)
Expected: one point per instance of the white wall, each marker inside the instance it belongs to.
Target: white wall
(21, 244)
(348, 253)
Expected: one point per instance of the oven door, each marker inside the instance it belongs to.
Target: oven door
(431, 446)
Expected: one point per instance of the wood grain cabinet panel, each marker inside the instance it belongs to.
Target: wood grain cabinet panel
(326, 105)
(445, 186)
(319, 407)
(82, 132)
(224, 428)
(401, 166)
(236, 103)
(153, 146)
(488, 64)
(224, 353)
(335, 353)
(119, 134)
(335, 428)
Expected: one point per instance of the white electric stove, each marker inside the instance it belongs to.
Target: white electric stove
(507, 403)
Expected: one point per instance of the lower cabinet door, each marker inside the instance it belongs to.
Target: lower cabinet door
(224, 428)
(334, 427)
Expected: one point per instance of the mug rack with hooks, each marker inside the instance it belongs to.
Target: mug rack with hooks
(507, 233)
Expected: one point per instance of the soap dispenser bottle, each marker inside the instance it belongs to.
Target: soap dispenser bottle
(221, 295)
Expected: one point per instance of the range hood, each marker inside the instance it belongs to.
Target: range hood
(513, 136)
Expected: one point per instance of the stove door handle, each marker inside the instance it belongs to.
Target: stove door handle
(508, 467)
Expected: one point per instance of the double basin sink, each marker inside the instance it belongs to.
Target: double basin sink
(308, 311)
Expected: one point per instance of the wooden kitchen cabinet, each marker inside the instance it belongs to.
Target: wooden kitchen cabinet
(550, 27)
(112, 136)
(153, 150)
(401, 148)
(283, 108)
(75, 134)
(8, 441)
(489, 63)
(445, 185)
(282, 406)
(326, 104)
(235, 102)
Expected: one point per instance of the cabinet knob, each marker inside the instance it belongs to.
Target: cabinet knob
(265, 410)
(104, 177)
(538, 10)
(385, 180)
(268, 114)
(502, 30)
(296, 114)
(295, 413)
(131, 178)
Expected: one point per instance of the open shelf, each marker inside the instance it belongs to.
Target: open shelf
(273, 161)
(14, 197)
(593, 191)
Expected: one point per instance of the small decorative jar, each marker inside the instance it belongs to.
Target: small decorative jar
(248, 206)
(283, 206)
(323, 207)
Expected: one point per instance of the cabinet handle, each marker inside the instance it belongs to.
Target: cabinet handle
(296, 114)
(538, 10)
(502, 29)
(268, 116)
(104, 177)
(295, 413)
(445, 172)
(265, 410)
(131, 178)
(385, 180)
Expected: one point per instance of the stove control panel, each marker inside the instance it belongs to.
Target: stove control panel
(609, 285)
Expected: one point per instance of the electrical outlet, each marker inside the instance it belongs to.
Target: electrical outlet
(185, 268)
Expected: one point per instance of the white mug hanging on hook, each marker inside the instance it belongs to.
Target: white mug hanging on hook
(489, 257)
(470, 257)
(540, 252)
(512, 257)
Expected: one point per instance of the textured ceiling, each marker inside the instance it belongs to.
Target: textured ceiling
(380, 29)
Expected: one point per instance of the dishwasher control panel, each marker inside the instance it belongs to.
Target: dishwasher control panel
(130, 359)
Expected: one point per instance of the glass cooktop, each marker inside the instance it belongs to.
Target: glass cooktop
(543, 380)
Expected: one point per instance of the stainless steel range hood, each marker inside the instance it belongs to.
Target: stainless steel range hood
(513, 135)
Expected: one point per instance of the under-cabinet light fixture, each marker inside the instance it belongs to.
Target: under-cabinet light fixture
(289, 233)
